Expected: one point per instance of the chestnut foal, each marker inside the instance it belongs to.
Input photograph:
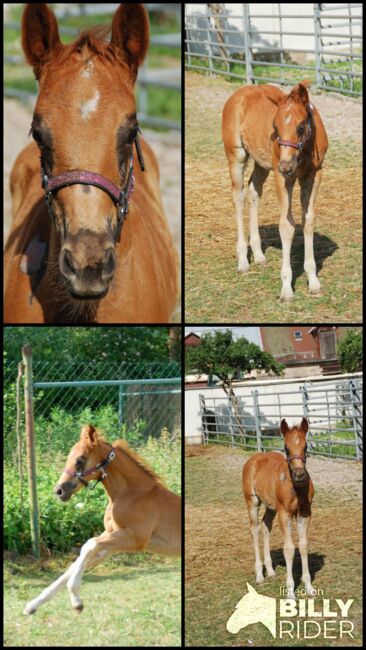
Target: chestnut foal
(142, 514)
(73, 255)
(284, 133)
(283, 485)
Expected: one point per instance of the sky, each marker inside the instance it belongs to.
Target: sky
(250, 333)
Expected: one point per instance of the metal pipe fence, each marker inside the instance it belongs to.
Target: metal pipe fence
(259, 48)
(334, 413)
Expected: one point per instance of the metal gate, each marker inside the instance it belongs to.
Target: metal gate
(334, 413)
(323, 41)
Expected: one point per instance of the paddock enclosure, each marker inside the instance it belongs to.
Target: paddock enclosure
(215, 291)
(220, 556)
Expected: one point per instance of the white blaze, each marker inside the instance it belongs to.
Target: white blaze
(90, 106)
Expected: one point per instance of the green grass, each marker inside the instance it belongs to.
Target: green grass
(123, 605)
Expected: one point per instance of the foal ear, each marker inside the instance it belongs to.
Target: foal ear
(88, 431)
(284, 427)
(304, 425)
(40, 36)
(130, 32)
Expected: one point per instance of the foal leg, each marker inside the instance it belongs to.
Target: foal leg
(100, 547)
(55, 587)
(287, 229)
(73, 575)
(288, 551)
(253, 504)
(309, 187)
(302, 529)
(49, 592)
(237, 158)
(256, 182)
(268, 518)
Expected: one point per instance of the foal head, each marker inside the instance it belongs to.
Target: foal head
(85, 121)
(84, 463)
(295, 448)
(293, 125)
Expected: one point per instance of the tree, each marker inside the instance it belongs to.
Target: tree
(349, 351)
(220, 355)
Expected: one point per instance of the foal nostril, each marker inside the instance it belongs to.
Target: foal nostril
(66, 264)
(59, 491)
(109, 264)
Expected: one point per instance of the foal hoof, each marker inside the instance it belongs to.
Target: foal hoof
(286, 293)
(311, 592)
(79, 608)
(260, 260)
(316, 293)
(29, 610)
(243, 268)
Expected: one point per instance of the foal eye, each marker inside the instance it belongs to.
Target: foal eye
(36, 136)
(300, 130)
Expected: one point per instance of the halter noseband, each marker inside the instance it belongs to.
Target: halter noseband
(120, 197)
(99, 467)
(290, 458)
(299, 145)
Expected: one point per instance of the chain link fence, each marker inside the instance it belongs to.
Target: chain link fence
(136, 400)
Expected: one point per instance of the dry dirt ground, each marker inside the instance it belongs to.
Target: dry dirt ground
(167, 147)
(214, 291)
(219, 556)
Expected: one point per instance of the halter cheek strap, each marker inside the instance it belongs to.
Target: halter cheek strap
(99, 467)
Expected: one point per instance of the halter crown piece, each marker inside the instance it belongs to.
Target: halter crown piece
(120, 197)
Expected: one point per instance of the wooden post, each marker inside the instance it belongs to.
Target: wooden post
(31, 459)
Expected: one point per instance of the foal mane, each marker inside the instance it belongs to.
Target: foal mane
(142, 464)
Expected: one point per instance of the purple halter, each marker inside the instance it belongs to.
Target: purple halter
(99, 467)
(120, 197)
(299, 145)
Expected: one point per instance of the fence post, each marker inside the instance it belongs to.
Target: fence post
(305, 403)
(31, 459)
(248, 44)
(318, 46)
(257, 420)
(203, 419)
(121, 392)
(356, 417)
(209, 42)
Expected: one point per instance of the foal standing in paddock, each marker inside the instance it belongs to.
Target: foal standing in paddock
(73, 254)
(142, 514)
(284, 133)
(283, 485)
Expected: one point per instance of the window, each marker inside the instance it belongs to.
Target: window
(298, 335)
